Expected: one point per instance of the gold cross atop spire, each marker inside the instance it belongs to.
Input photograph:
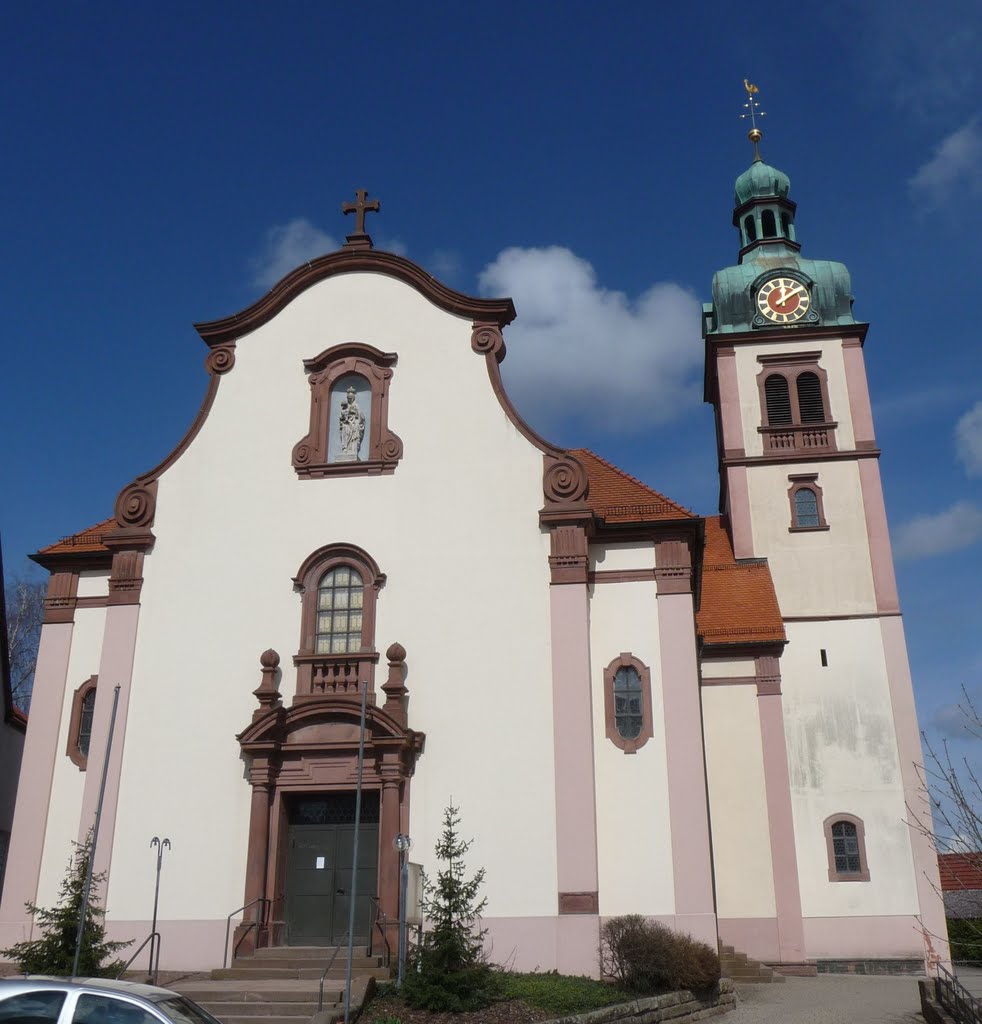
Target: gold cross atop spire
(753, 111)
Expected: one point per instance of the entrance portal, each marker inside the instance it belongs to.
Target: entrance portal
(320, 845)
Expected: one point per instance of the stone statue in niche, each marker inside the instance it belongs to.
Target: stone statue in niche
(351, 422)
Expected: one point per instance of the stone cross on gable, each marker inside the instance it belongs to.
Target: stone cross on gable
(360, 239)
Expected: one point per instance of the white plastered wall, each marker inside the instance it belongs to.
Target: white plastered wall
(637, 555)
(68, 782)
(454, 528)
(818, 572)
(635, 877)
(748, 368)
(93, 583)
(738, 802)
(725, 668)
(843, 758)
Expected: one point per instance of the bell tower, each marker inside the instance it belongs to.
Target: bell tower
(800, 488)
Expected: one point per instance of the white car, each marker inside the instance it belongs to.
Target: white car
(38, 1000)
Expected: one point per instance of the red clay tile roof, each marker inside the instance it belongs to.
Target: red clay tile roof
(960, 871)
(85, 541)
(739, 605)
(618, 497)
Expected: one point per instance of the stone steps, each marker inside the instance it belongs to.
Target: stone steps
(742, 969)
(281, 985)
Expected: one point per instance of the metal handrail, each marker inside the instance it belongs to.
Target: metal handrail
(383, 928)
(252, 924)
(956, 999)
(330, 964)
(154, 970)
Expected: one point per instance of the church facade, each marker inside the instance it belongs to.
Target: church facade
(706, 720)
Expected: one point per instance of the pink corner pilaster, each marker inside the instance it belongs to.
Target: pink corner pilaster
(687, 799)
(115, 667)
(777, 784)
(934, 929)
(576, 815)
(36, 773)
(880, 553)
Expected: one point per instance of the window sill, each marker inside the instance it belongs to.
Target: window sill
(862, 876)
(808, 529)
(370, 467)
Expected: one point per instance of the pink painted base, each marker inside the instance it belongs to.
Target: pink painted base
(840, 938)
(756, 936)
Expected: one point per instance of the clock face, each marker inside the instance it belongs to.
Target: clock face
(782, 300)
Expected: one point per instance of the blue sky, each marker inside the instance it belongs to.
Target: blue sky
(165, 164)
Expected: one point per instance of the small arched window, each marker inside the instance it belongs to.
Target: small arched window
(627, 703)
(85, 723)
(778, 398)
(807, 510)
(786, 225)
(845, 838)
(80, 723)
(767, 224)
(750, 228)
(810, 404)
(340, 601)
(805, 507)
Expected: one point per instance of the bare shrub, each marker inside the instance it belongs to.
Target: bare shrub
(645, 956)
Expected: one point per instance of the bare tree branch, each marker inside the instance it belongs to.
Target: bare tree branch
(25, 613)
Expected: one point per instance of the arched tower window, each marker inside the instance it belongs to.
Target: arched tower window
(750, 228)
(340, 585)
(810, 404)
(768, 225)
(627, 703)
(786, 225)
(805, 496)
(778, 399)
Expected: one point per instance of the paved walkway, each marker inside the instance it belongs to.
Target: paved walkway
(830, 999)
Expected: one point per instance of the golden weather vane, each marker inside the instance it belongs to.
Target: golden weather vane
(753, 111)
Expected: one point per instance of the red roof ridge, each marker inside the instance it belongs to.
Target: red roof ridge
(91, 536)
(660, 498)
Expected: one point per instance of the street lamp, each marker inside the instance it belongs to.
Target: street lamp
(402, 843)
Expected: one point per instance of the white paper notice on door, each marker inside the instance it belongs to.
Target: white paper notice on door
(320, 864)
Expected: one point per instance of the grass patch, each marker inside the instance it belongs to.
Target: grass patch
(560, 993)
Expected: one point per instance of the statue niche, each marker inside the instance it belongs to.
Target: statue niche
(351, 407)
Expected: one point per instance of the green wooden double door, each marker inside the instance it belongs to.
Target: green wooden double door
(319, 865)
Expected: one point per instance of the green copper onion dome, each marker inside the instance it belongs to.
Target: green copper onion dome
(760, 180)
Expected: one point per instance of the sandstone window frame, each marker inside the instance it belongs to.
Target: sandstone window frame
(797, 435)
(629, 746)
(862, 875)
(310, 456)
(806, 482)
(76, 755)
(344, 672)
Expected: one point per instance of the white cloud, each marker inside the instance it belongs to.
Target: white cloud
(968, 439)
(955, 168)
(581, 351)
(445, 264)
(951, 530)
(287, 246)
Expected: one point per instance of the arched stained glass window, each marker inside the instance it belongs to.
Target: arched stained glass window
(806, 507)
(340, 604)
(845, 845)
(85, 723)
(778, 398)
(628, 702)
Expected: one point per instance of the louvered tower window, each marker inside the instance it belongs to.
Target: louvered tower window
(810, 406)
(778, 399)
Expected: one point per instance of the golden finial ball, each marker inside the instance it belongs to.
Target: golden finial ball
(755, 135)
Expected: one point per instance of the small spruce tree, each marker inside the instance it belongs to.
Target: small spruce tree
(449, 972)
(54, 952)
